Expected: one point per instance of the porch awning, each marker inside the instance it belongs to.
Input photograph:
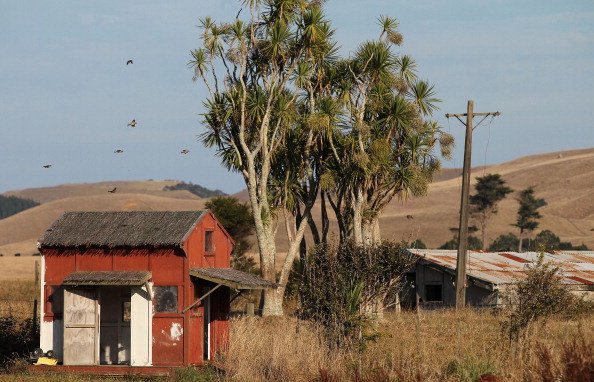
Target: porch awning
(231, 278)
(108, 278)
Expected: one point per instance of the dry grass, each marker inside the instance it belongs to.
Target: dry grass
(13, 268)
(16, 298)
(434, 346)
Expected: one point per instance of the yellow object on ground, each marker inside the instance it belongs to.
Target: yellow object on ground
(46, 361)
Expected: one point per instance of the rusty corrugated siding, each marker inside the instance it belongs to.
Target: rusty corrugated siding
(576, 267)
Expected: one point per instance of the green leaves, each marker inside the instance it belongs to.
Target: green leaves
(424, 98)
(198, 63)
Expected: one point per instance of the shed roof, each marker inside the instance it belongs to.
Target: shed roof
(499, 268)
(107, 278)
(113, 229)
(232, 278)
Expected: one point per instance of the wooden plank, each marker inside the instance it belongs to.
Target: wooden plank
(80, 327)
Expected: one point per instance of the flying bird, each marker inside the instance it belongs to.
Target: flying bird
(129, 62)
(47, 165)
(112, 191)
(185, 151)
(119, 151)
(409, 216)
(132, 123)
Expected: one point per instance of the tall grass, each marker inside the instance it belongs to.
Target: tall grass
(434, 346)
(16, 298)
(18, 290)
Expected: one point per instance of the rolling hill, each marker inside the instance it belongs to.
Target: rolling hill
(564, 179)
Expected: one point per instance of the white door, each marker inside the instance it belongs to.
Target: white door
(81, 329)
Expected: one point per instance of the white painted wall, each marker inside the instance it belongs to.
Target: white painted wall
(141, 324)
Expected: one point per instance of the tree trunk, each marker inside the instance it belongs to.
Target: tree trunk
(520, 243)
(267, 248)
(357, 204)
(376, 233)
(272, 303)
(325, 220)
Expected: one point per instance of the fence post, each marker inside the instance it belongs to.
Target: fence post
(34, 336)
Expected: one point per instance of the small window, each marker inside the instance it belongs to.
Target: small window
(126, 311)
(208, 244)
(433, 293)
(166, 299)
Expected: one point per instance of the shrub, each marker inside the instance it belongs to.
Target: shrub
(474, 243)
(343, 285)
(539, 296)
(503, 243)
(17, 339)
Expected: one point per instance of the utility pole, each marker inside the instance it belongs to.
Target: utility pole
(462, 259)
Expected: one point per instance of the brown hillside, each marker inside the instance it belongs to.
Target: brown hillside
(19, 233)
(564, 179)
(149, 187)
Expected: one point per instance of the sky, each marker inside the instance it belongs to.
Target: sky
(66, 93)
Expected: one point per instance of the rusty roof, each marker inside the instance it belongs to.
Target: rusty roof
(499, 268)
(232, 278)
(115, 229)
(110, 278)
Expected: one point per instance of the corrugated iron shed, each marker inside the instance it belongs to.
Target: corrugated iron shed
(500, 268)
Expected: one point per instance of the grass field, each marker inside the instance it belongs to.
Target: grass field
(440, 345)
(21, 268)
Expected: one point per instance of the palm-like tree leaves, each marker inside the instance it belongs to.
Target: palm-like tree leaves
(423, 96)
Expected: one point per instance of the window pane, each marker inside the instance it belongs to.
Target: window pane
(208, 241)
(166, 299)
(433, 292)
(126, 311)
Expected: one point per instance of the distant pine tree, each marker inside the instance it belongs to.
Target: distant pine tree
(12, 205)
(195, 189)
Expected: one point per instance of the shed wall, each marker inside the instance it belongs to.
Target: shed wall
(176, 337)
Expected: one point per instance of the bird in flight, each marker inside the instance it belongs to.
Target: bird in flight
(132, 123)
(185, 151)
(112, 191)
(129, 62)
(119, 151)
(47, 165)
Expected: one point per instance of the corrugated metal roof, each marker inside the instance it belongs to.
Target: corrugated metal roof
(112, 278)
(129, 228)
(232, 278)
(577, 267)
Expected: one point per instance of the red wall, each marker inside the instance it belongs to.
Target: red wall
(168, 266)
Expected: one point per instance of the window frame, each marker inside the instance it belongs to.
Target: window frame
(209, 242)
(156, 303)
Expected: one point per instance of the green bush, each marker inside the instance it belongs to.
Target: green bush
(539, 296)
(344, 285)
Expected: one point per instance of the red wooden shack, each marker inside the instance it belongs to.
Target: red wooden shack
(137, 288)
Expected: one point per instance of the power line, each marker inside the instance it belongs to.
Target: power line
(463, 227)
